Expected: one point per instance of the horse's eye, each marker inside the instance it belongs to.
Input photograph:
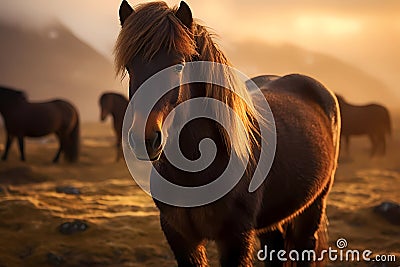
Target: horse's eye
(179, 68)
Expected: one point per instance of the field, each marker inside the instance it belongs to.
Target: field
(123, 227)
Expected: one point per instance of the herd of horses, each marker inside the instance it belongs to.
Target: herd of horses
(288, 210)
(25, 119)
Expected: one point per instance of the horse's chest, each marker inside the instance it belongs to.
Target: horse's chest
(204, 222)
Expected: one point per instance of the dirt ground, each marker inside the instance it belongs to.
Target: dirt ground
(123, 223)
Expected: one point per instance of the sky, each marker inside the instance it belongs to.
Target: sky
(365, 33)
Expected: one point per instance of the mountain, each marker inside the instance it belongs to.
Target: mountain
(52, 62)
(258, 57)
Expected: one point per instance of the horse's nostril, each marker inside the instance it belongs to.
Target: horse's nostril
(156, 144)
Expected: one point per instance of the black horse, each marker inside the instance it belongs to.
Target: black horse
(288, 209)
(372, 120)
(23, 118)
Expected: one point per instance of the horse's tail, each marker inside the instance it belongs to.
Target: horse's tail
(72, 142)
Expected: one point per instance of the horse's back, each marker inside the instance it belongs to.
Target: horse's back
(42, 118)
(56, 108)
(306, 90)
(365, 119)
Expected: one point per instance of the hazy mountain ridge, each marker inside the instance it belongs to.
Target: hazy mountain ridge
(258, 57)
(52, 62)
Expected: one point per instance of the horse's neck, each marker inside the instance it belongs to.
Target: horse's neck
(118, 110)
(10, 108)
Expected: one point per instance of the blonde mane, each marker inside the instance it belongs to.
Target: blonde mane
(154, 26)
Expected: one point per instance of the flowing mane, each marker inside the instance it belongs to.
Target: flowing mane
(154, 26)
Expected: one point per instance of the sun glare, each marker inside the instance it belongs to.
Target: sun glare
(327, 25)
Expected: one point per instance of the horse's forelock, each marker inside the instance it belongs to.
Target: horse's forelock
(152, 27)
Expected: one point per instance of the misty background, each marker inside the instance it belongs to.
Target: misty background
(64, 48)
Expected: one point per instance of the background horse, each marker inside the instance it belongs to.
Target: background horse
(22, 118)
(288, 209)
(372, 120)
(115, 105)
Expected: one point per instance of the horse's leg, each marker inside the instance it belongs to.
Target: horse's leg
(236, 249)
(60, 149)
(21, 147)
(188, 251)
(119, 151)
(118, 134)
(272, 240)
(9, 141)
(304, 232)
(382, 143)
(374, 144)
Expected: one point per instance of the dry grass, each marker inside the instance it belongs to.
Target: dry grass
(123, 221)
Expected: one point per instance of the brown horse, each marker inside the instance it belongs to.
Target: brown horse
(372, 120)
(23, 118)
(115, 105)
(288, 209)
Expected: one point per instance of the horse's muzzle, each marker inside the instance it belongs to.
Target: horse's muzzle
(152, 148)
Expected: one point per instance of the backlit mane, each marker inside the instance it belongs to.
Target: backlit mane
(240, 101)
(154, 26)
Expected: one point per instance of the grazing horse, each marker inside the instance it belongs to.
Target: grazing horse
(115, 105)
(23, 118)
(288, 209)
(372, 120)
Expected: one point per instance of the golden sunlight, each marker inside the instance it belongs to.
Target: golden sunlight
(331, 26)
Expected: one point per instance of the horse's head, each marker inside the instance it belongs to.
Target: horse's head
(153, 37)
(156, 38)
(10, 97)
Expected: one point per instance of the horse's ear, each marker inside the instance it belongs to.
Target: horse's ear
(125, 10)
(184, 14)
